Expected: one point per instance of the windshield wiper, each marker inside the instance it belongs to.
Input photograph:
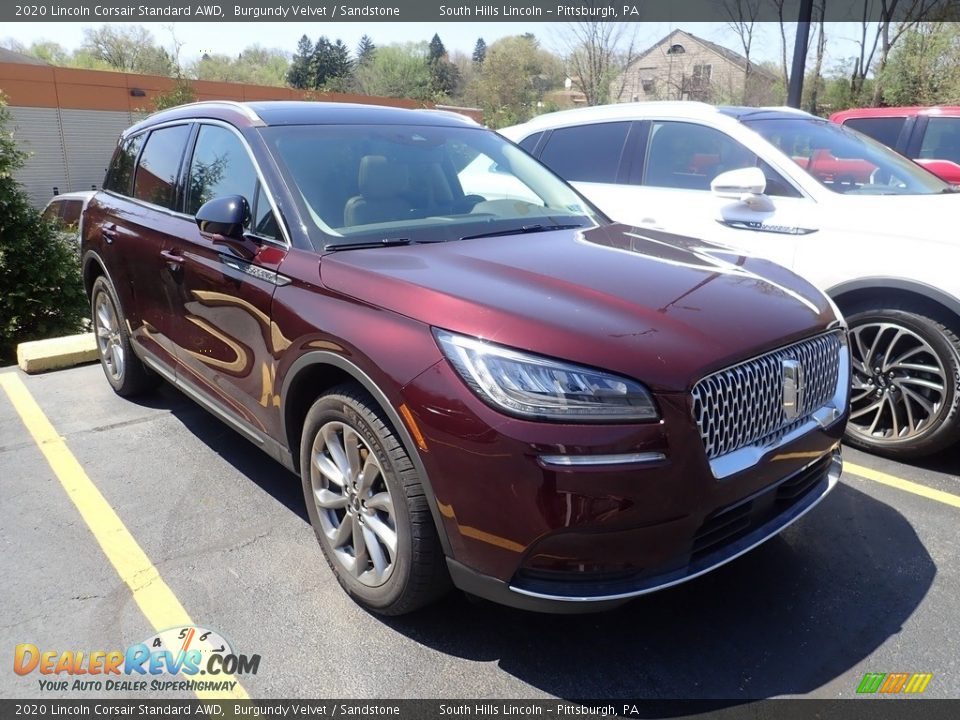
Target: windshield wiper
(522, 230)
(385, 242)
(950, 190)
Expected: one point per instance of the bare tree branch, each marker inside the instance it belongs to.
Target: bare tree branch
(598, 55)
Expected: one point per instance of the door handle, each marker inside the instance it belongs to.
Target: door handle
(109, 233)
(174, 260)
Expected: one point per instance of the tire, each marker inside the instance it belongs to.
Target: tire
(904, 403)
(383, 498)
(125, 372)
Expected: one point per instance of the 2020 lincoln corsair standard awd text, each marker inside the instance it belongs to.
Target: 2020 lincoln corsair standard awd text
(491, 385)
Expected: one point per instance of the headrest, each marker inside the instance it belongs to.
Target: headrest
(380, 179)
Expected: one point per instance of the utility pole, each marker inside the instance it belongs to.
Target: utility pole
(795, 93)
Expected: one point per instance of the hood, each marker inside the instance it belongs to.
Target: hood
(663, 309)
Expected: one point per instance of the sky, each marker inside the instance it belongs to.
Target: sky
(229, 38)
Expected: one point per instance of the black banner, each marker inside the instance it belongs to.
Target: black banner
(93, 11)
(852, 709)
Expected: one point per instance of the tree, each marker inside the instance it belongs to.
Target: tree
(41, 290)
(881, 37)
(516, 74)
(437, 50)
(181, 94)
(396, 71)
(779, 6)
(743, 18)
(332, 66)
(255, 65)
(365, 50)
(819, 15)
(130, 48)
(479, 52)
(444, 75)
(922, 70)
(598, 55)
(300, 74)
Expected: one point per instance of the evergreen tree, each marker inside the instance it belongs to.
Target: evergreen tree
(332, 65)
(444, 75)
(300, 74)
(437, 51)
(41, 290)
(365, 50)
(479, 52)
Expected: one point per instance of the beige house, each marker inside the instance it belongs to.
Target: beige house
(683, 66)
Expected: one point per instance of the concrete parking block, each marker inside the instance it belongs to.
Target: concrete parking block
(57, 353)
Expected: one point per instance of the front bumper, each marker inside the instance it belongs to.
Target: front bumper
(724, 536)
(526, 523)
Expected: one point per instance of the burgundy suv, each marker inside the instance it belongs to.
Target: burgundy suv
(478, 378)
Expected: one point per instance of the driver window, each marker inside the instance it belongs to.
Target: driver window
(687, 156)
(220, 166)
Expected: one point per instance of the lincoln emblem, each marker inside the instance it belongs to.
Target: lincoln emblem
(792, 388)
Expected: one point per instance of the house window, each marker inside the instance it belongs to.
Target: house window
(676, 49)
(649, 86)
(702, 73)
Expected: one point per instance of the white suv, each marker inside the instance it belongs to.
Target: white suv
(874, 230)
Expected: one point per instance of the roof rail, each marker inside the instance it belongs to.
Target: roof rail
(242, 107)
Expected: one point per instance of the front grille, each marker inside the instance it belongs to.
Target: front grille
(743, 405)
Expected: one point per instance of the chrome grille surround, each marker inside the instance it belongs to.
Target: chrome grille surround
(742, 405)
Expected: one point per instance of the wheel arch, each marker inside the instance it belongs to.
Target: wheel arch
(93, 267)
(315, 372)
(940, 304)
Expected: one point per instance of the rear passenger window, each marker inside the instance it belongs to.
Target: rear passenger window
(156, 179)
(71, 213)
(220, 167)
(885, 129)
(121, 167)
(942, 139)
(588, 153)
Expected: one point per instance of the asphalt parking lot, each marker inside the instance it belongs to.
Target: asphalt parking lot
(868, 582)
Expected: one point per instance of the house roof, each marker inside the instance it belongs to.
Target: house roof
(726, 53)
(9, 56)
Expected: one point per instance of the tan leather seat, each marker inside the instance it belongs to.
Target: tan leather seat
(383, 188)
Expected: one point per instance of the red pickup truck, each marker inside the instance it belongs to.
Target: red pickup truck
(928, 135)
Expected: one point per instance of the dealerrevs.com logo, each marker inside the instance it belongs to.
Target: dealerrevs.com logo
(173, 659)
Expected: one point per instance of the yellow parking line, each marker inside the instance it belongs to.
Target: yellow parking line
(905, 485)
(151, 593)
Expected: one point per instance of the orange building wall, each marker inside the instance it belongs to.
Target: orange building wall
(51, 87)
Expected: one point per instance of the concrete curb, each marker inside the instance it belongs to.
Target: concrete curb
(57, 353)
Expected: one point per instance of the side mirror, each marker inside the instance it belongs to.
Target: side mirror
(224, 216)
(734, 184)
(746, 185)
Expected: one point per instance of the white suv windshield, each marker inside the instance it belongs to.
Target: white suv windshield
(844, 160)
(369, 184)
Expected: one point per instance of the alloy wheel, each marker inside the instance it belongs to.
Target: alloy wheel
(109, 341)
(353, 503)
(899, 383)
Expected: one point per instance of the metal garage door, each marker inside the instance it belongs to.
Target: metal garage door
(89, 137)
(37, 130)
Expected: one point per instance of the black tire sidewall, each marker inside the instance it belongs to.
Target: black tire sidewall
(349, 410)
(945, 430)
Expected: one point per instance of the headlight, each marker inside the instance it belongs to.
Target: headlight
(538, 387)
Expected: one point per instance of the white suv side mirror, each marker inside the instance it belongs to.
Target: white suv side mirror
(745, 184)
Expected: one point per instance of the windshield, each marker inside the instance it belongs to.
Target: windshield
(373, 184)
(845, 160)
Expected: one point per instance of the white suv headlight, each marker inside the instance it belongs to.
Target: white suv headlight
(538, 387)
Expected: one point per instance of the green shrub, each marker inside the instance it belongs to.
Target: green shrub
(41, 289)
